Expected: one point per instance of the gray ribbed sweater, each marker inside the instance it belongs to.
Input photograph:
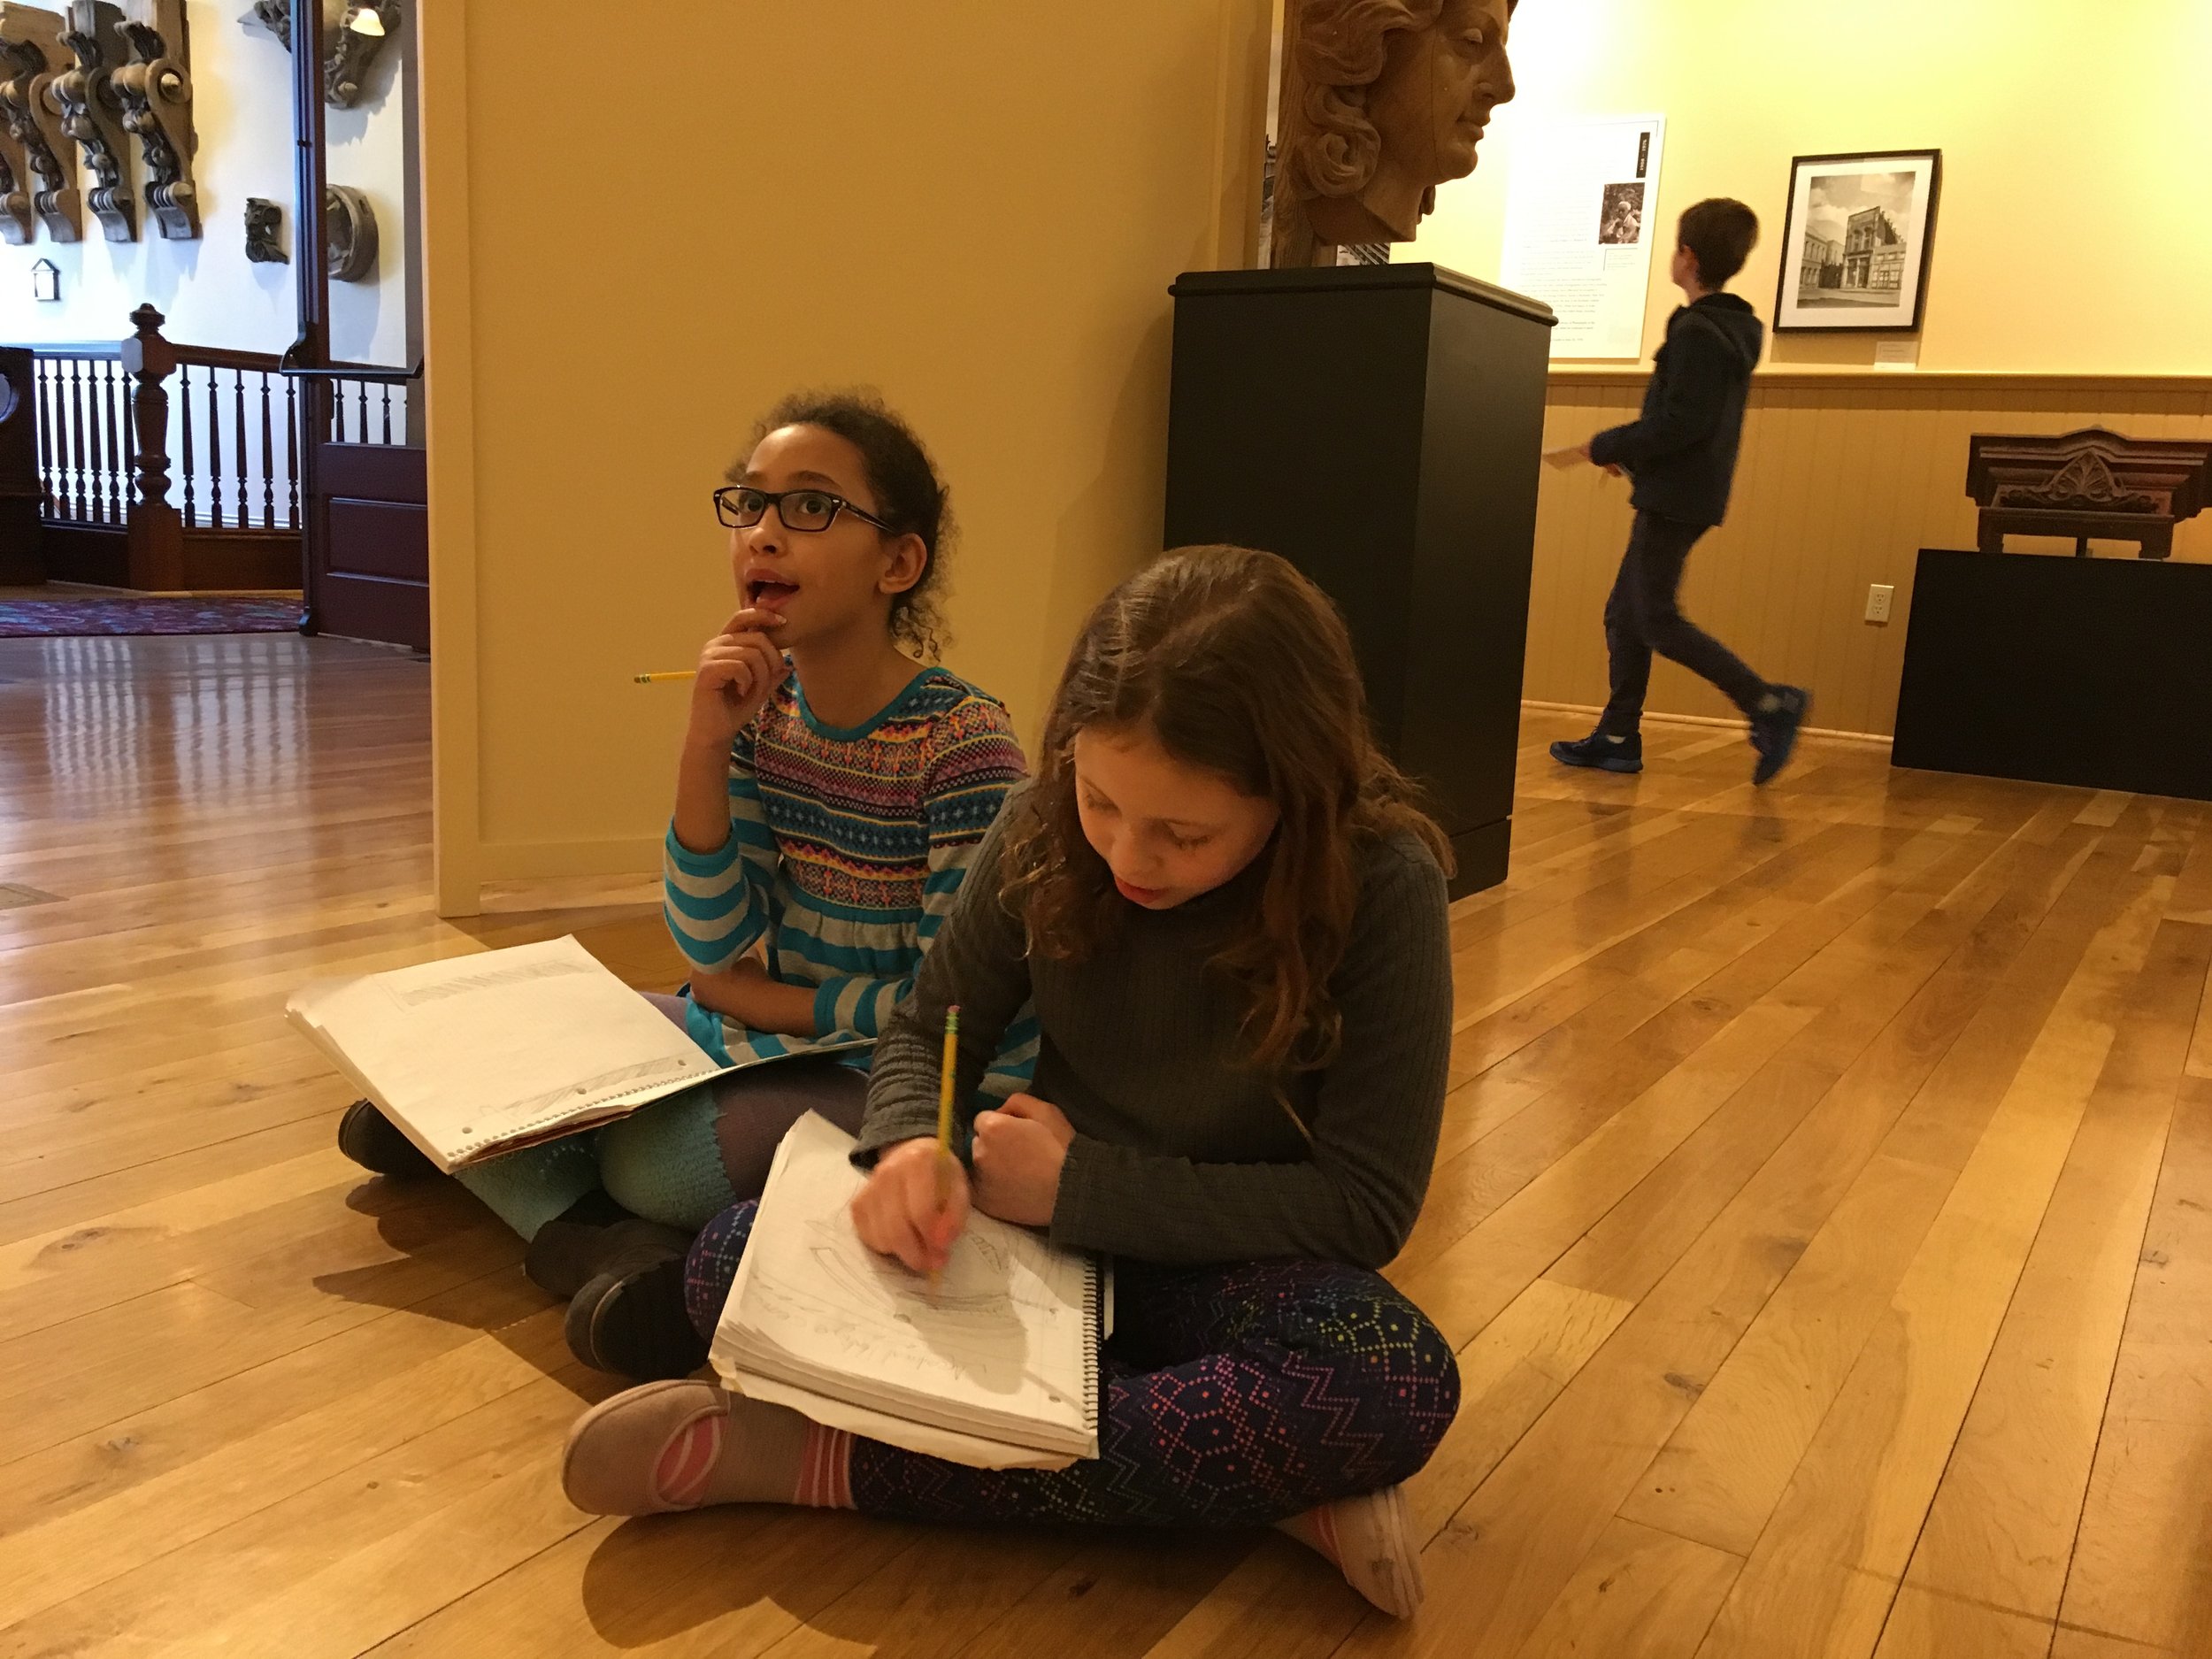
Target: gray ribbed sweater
(1183, 1154)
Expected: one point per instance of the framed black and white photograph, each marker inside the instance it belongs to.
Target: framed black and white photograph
(1857, 242)
(1621, 218)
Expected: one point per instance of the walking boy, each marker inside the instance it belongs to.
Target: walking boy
(1681, 452)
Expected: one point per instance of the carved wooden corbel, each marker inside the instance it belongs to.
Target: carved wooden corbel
(350, 229)
(352, 48)
(349, 48)
(18, 223)
(274, 16)
(31, 55)
(93, 32)
(154, 91)
(263, 243)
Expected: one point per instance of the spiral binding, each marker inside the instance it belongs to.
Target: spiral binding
(1093, 1328)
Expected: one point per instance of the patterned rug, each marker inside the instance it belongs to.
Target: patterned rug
(50, 619)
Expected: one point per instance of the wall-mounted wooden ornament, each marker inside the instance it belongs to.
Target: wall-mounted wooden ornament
(18, 223)
(31, 57)
(350, 226)
(353, 47)
(93, 32)
(264, 241)
(2091, 483)
(154, 91)
(353, 35)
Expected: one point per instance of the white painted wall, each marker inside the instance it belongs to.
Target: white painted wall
(211, 293)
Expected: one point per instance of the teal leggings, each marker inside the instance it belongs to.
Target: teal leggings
(680, 1161)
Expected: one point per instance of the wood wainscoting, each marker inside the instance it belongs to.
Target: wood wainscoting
(1845, 477)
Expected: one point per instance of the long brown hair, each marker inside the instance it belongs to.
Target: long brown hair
(1233, 662)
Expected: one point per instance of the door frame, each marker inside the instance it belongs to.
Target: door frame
(307, 359)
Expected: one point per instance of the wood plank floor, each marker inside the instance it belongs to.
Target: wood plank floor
(1824, 1216)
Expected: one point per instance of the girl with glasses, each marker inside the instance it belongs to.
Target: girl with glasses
(831, 794)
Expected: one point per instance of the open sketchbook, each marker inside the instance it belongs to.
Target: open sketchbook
(998, 1370)
(478, 1055)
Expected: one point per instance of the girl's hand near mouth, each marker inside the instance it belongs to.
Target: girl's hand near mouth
(739, 671)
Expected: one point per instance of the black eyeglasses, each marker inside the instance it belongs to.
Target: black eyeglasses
(741, 507)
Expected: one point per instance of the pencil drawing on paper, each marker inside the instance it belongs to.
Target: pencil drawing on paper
(976, 1328)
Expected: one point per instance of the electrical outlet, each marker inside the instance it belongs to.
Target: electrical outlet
(1877, 602)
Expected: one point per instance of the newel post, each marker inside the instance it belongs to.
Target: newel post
(156, 535)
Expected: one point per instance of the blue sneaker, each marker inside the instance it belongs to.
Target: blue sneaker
(1603, 753)
(1774, 732)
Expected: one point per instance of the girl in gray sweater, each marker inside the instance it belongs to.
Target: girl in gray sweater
(1231, 919)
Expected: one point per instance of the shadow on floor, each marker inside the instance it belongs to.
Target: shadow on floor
(454, 1261)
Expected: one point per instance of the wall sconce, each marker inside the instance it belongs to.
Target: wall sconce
(45, 281)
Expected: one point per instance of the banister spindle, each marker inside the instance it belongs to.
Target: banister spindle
(76, 424)
(268, 460)
(119, 453)
(245, 456)
(184, 402)
(291, 456)
(42, 382)
(214, 450)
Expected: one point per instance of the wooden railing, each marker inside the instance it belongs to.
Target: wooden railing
(82, 398)
(241, 486)
(168, 465)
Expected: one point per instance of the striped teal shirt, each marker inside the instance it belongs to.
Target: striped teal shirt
(847, 846)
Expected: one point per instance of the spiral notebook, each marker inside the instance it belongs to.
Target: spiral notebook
(478, 1055)
(998, 1368)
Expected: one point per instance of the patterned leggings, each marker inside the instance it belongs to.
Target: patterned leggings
(1236, 1395)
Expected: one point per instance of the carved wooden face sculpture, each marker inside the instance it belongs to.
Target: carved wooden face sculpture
(1399, 92)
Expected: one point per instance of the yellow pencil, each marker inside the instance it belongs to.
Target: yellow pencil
(673, 673)
(944, 1118)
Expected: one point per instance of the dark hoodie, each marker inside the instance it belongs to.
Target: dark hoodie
(1681, 450)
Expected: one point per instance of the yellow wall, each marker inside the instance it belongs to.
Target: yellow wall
(2069, 288)
(2068, 237)
(976, 208)
(1841, 484)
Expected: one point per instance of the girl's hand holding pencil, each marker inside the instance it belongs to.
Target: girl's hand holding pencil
(898, 1213)
(891, 1213)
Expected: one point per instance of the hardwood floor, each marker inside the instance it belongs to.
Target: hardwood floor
(1824, 1214)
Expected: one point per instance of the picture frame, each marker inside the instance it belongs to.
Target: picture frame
(1858, 241)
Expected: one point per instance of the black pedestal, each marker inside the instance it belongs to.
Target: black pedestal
(1381, 427)
(2095, 672)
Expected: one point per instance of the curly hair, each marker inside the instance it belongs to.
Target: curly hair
(1342, 48)
(1233, 662)
(911, 496)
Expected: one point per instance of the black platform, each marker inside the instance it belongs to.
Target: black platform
(2093, 672)
(1381, 427)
